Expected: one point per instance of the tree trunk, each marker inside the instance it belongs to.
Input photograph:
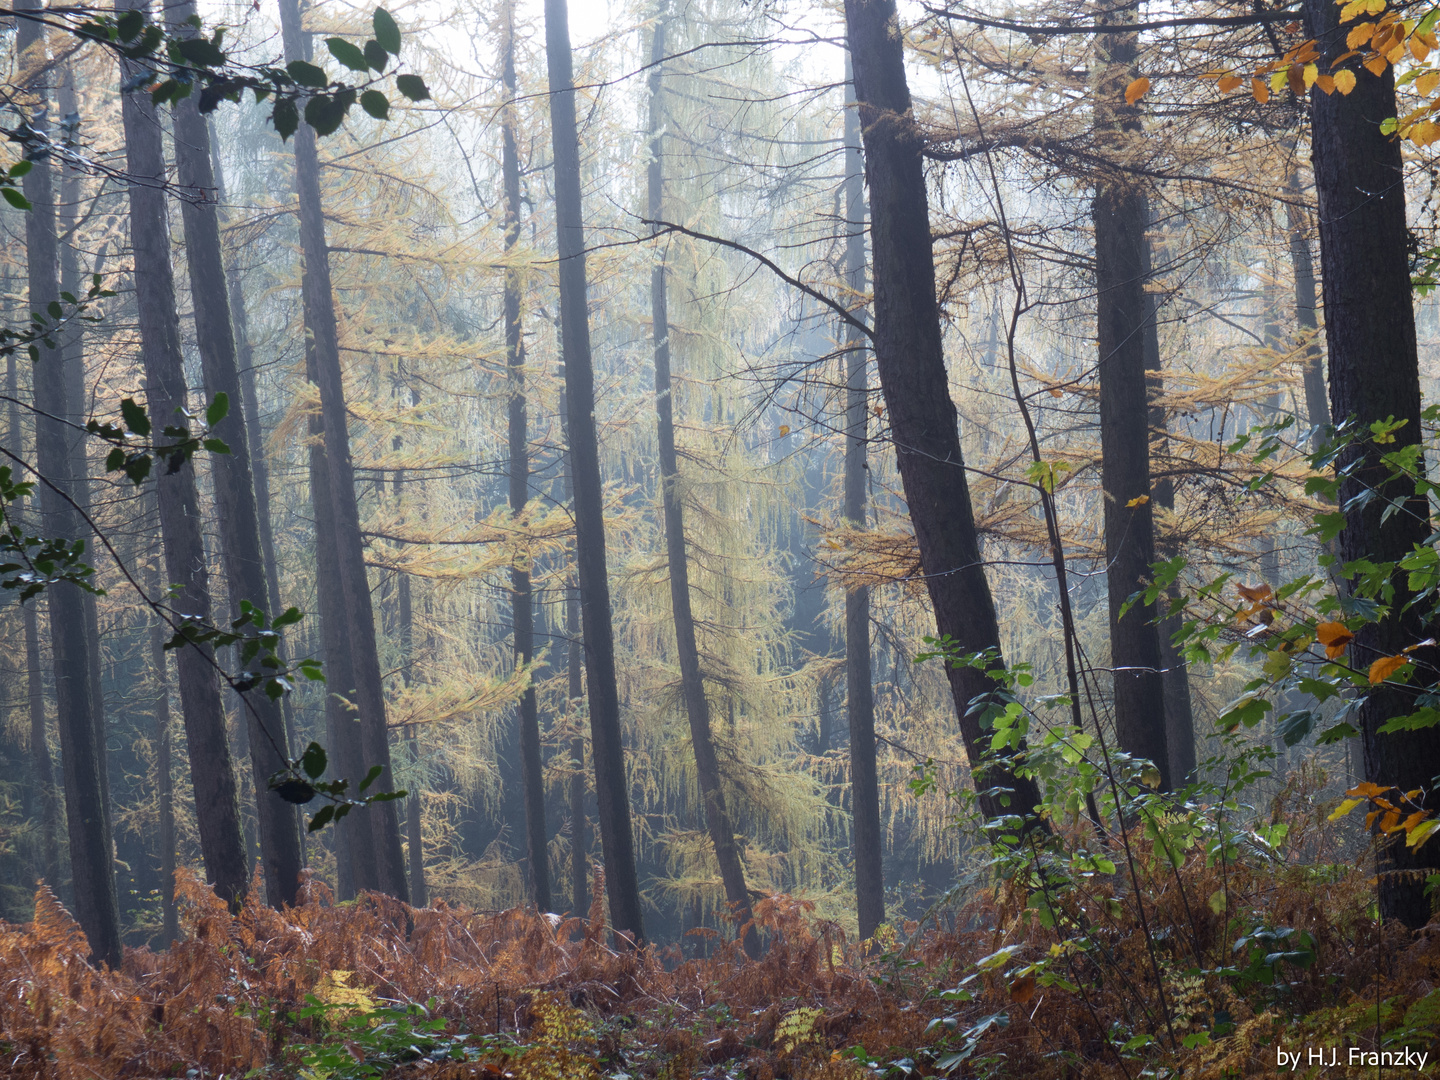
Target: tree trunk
(910, 360)
(212, 773)
(606, 740)
(1374, 374)
(164, 783)
(692, 679)
(1302, 263)
(859, 692)
(414, 823)
(91, 866)
(521, 596)
(344, 542)
(1121, 213)
(234, 488)
(574, 700)
(249, 405)
(42, 767)
(1175, 674)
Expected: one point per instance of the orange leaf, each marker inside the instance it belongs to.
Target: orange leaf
(1334, 636)
(1390, 822)
(1419, 49)
(1055, 391)
(1229, 82)
(1425, 84)
(1376, 65)
(1254, 592)
(1366, 790)
(1136, 90)
(1359, 35)
(1296, 76)
(1261, 92)
(1022, 990)
(1326, 84)
(1415, 819)
(1386, 666)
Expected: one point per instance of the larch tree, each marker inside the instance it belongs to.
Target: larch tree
(211, 768)
(606, 740)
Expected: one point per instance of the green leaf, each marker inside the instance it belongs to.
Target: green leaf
(217, 410)
(413, 87)
(324, 114)
(1335, 734)
(307, 74)
(313, 761)
(347, 53)
(1293, 727)
(285, 117)
(135, 418)
(20, 168)
(129, 25)
(216, 446)
(15, 199)
(376, 55)
(202, 53)
(371, 776)
(386, 32)
(322, 818)
(376, 104)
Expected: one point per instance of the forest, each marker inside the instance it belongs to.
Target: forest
(726, 539)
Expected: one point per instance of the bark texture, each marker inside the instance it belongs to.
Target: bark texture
(910, 360)
(1374, 374)
(606, 739)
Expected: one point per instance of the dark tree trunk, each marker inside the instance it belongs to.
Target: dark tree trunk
(1121, 213)
(1374, 374)
(692, 680)
(345, 542)
(522, 598)
(1175, 677)
(859, 692)
(910, 360)
(415, 834)
(244, 559)
(606, 740)
(81, 753)
(213, 775)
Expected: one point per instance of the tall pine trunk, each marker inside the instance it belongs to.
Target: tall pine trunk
(910, 360)
(692, 681)
(521, 594)
(344, 543)
(91, 866)
(164, 783)
(1120, 213)
(1374, 375)
(212, 772)
(859, 691)
(244, 558)
(606, 740)
(1302, 264)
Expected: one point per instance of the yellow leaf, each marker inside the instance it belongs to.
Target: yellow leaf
(1229, 82)
(1334, 636)
(1359, 35)
(1418, 48)
(1386, 666)
(1138, 500)
(1422, 832)
(1426, 83)
(1344, 808)
(1308, 74)
(1325, 83)
(1136, 90)
(1424, 134)
(1150, 777)
(1352, 9)
(1261, 92)
(1345, 81)
(1277, 80)
(784, 430)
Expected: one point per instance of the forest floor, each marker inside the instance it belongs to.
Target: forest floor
(373, 988)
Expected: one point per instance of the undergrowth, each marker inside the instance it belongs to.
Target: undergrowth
(1255, 953)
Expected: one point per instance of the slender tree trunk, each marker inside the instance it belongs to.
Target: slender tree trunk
(1175, 673)
(1302, 262)
(419, 896)
(574, 701)
(91, 866)
(521, 596)
(42, 768)
(910, 360)
(1374, 374)
(606, 740)
(234, 488)
(692, 680)
(72, 350)
(249, 405)
(212, 772)
(345, 541)
(164, 782)
(859, 692)
(1121, 213)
